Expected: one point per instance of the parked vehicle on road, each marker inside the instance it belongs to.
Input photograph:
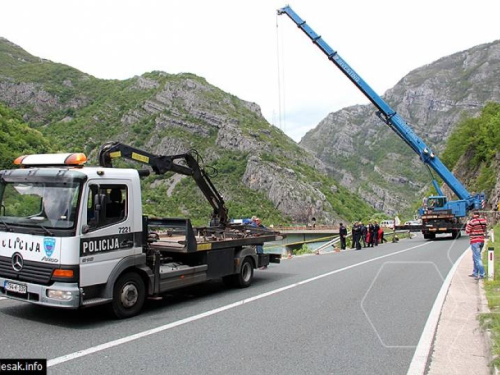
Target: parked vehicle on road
(73, 236)
(387, 223)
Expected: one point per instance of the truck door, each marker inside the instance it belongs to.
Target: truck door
(107, 235)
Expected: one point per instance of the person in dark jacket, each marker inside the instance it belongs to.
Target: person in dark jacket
(356, 237)
(343, 236)
(376, 228)
(364, 232)
(352, 236)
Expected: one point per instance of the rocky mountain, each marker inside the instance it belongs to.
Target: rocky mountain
(362, 152)
(473, 150)
(259, 169)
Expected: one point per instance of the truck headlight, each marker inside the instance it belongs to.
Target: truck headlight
(59, 294)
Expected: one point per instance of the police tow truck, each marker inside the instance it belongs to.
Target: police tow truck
(73, 236)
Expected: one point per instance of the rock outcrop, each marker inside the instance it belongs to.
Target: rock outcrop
(283, 187)
(368, 158)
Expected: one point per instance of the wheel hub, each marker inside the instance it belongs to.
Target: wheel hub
(129, 295)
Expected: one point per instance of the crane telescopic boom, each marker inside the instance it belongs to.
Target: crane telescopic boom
(395, 122)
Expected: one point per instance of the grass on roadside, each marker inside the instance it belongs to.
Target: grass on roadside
(491, 320)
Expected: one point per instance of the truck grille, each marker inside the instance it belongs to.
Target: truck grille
(34, 272)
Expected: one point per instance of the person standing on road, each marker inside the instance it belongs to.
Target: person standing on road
(369, 238)
(352, 235)
(357, 235)
(376, 228)
(476, 229)
(364, 232)
(381, 238)
(343, 236)
(257, 223)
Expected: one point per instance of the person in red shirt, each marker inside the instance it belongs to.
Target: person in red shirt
(476, 229)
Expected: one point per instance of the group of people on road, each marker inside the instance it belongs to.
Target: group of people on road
(363, 236)
(372, 234)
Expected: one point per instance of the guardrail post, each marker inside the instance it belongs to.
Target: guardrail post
(491, 263)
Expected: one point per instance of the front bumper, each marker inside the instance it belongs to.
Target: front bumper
(38, 294)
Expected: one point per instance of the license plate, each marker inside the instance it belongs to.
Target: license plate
(17, 288)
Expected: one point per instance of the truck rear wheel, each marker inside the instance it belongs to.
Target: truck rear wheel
(244, 278)
(129, 294)
(429, 236)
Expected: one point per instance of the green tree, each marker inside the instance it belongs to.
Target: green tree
(18, 139)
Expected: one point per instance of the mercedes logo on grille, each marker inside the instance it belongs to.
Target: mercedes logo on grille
(17, 262)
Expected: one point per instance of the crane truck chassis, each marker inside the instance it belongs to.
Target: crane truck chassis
(73, 236)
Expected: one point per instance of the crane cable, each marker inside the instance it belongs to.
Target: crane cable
(281, 79)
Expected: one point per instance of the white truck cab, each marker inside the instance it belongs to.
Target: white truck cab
(51, 243)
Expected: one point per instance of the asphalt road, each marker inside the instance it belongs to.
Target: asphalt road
(343, 313)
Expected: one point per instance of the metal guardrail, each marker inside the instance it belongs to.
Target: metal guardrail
(307, 227)
(333, 242)
(337, 239)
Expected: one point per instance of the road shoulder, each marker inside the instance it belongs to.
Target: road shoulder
(460, 345)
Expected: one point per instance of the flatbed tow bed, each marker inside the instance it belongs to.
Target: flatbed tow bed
(181, 255)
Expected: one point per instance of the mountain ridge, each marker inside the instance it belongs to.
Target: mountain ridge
(261, 170)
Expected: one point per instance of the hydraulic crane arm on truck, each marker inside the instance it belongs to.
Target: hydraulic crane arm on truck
(449, 210)
(73, 236)
(162, 164)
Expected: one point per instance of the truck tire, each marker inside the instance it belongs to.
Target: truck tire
(229, 280)
(456, 234)
(430, 236)
(129, 294)
(244, 278)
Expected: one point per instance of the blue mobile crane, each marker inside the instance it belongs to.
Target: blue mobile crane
(438, 214)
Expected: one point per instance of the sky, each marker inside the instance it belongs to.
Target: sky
(245, 49)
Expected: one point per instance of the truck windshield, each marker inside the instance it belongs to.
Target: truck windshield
(39, 204)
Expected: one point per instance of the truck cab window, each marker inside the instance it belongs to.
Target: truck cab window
(112, 208)
(115, 209)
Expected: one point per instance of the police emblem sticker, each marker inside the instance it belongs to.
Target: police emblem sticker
(49, 245)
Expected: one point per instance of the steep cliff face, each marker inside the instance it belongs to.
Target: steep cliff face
(473, 149)
(261, 170)
(362, 152)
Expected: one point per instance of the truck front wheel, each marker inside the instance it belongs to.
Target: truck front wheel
(129, 294)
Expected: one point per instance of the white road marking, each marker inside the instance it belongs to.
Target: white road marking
(1, 298)
(124, 340)
(421, 355)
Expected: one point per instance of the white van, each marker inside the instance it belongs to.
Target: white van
(387, 223)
